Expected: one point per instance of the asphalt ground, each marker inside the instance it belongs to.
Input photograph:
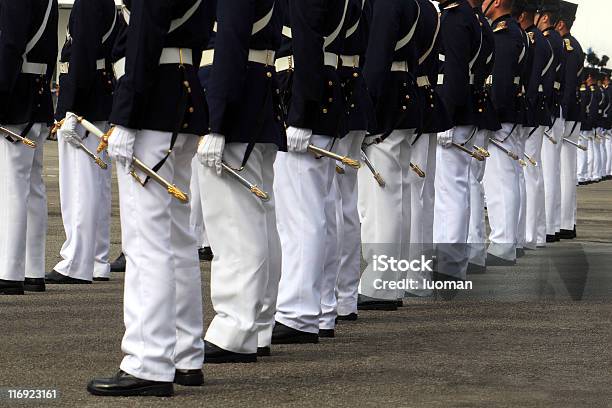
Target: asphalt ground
(535, 335)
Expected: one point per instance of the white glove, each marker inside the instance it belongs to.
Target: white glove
(121, 146)
(67, 131)
(298, 139)
(210, 151)
(445, 138)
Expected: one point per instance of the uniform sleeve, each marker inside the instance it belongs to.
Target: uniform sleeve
(228, 76)
(307, 17)
(456, 67)
(573, 64)
(507, 52)
(384, 32)
(149, 23)
(15, 20)
(540, 60)
(86, 32)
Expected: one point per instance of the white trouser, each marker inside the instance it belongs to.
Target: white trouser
(551, 157)
(23, 207)
(582, 162)
(163, 293)
(477, 234)
(452, 207)
(535, 215)
(196, 220)
(331, 269)
(596, 157)
(568, 177)
(301, 186)
(385, 228)
(347, 281)
(244, 239)
(85, 199)
(422, 192)
(521, 138)
(603, 169)
(501, 184)
(609, 154)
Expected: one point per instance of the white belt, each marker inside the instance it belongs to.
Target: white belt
(284, 64)
(265, 57)
(350, 61)
(119, 68)
(176, 56)
(471, 79)
(331, 59)
(399, 66)
(33, 68)
(64, 67)
(517, 80)
(557, 86)
(423, 81)
(288, 63)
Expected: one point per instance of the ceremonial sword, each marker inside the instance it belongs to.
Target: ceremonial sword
(498, 144)
(379, 179)
(531, 160)
(475, 155)
(252, 187)
(579, 146)
(317, 151)
(173, 190)
(24, 140)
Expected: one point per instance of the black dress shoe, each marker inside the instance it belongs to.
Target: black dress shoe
(550, 238)
(349, 317)
(189, 378)
(399, 303)
(34, 285)
(123, 384)
(368, 303)
(327, 333)
(264, 351)
(520, 252)
(557, 237)
(206, 254)
(282, 334)
(100, 279)
(567, 234)
(8, 287)
(118, 265)
(474, 269)
(55, 277)
(214, 354)
(493, 260)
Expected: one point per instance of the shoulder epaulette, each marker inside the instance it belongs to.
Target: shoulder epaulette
(546, 33)
(531, 36)
(568, 45)
(452, 6)
(502, 25)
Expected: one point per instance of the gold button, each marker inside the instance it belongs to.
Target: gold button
(269, 74)
(404, 107)
(191, 109)
(480, 110)
(407, 97)
(185, 126)
(352, 105)
(355, 75)
(324, 110)
(432, 105)
(331, 100)
(330, 83)
(186, 84)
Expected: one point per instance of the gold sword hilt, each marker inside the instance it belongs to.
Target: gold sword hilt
(175, 192)
(340, 170)
(351, 162)
(522, 163)
(417, 170)
(103, 145)
(260, 193)
(29, 142)
(482, 151)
